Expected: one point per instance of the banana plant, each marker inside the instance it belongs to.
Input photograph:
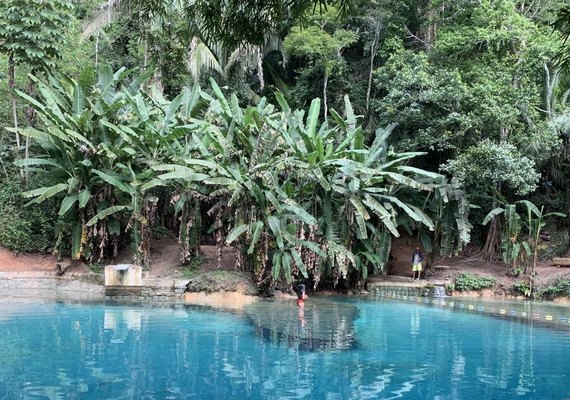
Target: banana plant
(534, 223)
(245, 182)
(71, 150)
(351, 187)
(92, 162)
(449, 207)
(519, 244)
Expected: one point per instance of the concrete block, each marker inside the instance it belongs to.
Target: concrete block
(123, 275)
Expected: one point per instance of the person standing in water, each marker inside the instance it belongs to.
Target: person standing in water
(301, 295)
(417, 258)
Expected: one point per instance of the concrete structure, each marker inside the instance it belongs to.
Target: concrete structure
(123, 275)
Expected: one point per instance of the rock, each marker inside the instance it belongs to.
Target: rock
(561, 261)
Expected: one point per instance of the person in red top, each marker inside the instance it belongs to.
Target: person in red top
(301, 295)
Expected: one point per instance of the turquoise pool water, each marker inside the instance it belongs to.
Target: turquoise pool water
(56, 350)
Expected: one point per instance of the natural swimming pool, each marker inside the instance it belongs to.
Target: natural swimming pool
(336, 349)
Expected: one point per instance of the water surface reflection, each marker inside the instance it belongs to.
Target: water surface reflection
(57, 351)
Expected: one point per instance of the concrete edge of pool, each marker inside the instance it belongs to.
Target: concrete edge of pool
(84, 286)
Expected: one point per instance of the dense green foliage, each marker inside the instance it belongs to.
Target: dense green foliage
(455, 109)
(313, 197)
(24, 229)
(31, 30)
(468, 282)
(561, 288)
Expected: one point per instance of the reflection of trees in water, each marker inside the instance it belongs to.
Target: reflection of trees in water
(320, 325)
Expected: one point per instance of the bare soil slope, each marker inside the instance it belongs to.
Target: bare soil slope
(165, 263)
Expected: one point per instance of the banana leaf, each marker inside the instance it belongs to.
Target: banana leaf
(107, 212)
(236, 232)
(67, 203)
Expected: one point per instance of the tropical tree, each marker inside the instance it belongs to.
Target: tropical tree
(302, 195)
(520, 237)
(490, 168)
(31, 33)
(449, 207)
(322, 44)
(562, 24)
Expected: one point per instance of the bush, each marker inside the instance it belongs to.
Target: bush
(560, 289)
(25, 229)
(467, 282)
(522, 287)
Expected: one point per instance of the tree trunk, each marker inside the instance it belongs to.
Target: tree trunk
(12, 86)
(97, 50)
(493, 242)
(372, 56)
(325, 84)
(492, 245)
(30, 113)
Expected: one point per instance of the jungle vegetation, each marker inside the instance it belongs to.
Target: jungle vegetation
(304, 134)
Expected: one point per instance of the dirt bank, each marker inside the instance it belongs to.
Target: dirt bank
(165, 264)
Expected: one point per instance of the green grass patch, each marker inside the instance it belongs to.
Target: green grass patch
(466, 282)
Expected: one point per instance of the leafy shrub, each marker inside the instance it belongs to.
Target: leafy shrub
(560, 289)
(190, 269)
(467, 282)
(25, 229)
(97, 268)
(523, 288)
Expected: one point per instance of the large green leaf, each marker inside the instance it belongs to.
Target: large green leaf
(257, 229)
(236, 232)
(78, 101)
(189, 101)
(105, 213)
(350, 117)
(273, 200)
(84, 197)
(286, 264)
(153, 183)
(67, 203)
(220, 96)
(384, 248)
(301, 214)
(276, 267)
(313, 118)
(383, 213)
(299, 262)
(404, 180)
(282, 102)
(87, 80)
(419, 171)
(31, 133)
(275, 226)
(412, 211)
(221, 181)
(37, 161)
(531, 207)
(115, 182)
(187, 175)
(171, 112)
(45, 192)
(492, 214)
